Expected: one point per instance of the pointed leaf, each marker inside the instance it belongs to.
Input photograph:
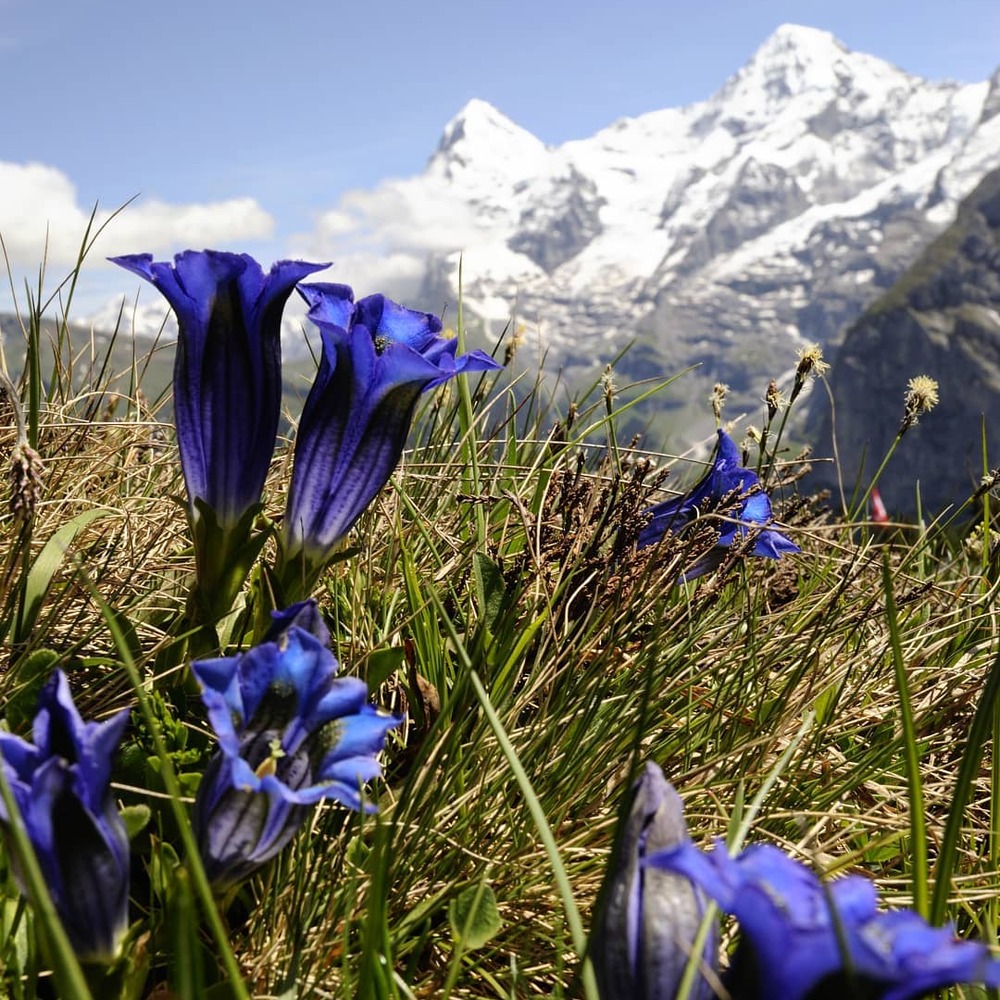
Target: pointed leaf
(382, 664)
(45, 567)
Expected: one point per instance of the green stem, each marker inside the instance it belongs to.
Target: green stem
(467, 423)
(860, 506)
(918, 824)
(191, 856)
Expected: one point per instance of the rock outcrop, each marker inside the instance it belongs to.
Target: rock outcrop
(942, 319)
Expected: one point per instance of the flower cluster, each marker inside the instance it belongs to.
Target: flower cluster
(60, 783)
(800, 938)
(290, 733)
(726, 482)
(377, 359)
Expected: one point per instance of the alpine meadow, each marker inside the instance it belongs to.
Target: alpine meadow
(435, 684)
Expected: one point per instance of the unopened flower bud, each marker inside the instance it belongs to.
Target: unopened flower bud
(647, 920)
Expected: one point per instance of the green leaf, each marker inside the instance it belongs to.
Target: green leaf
(474, 916)
(32, 673)
(45, 567)
(136, 818)
(382, 664)
(490, 589)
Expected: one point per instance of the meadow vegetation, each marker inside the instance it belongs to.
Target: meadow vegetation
(842, 703)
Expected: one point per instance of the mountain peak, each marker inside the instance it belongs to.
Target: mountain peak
(789, 39)
(486, 142)
(794, 61)
(479, 123)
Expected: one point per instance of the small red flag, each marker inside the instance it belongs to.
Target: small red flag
(879, 514)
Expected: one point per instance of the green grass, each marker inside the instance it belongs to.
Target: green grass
(539, 662)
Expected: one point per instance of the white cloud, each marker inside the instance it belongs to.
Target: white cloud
(380, 239)
(415, 216)
(36, 198)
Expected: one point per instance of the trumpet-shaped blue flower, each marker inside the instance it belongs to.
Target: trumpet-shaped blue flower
(290, 733)
(377, 359)
(60, 783)
(801, 939)
(227, 369)
(227, 397)
(725, 480)
(647, 919)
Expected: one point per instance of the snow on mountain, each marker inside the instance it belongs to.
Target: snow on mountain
(721, 232)
(726, 232)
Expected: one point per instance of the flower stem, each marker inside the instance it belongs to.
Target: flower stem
(191, 855)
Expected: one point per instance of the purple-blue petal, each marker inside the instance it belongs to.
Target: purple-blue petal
(303, 735)
(304, 615)
(330, 305)
(378, 357)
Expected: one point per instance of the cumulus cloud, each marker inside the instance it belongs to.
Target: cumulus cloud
(39, 202)
(380, 239)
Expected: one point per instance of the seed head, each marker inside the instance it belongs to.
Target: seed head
(25, 481)
(921, 397)
(608, 386)
(774, 399)
(718, 398)
(516, 338)
(811, 365)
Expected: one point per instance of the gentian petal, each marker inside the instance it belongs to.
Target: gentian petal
(305, 615)
(378, 357)
(302, 734)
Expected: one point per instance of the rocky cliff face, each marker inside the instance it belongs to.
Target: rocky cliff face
(942, 319)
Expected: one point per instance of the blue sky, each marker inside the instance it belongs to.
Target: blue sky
(239, 123)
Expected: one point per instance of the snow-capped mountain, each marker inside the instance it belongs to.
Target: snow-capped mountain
(726, 232)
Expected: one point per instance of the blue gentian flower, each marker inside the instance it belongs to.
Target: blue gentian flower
(290, 733)
(61, 785)
(227, 369)
(377, 359)
(227, 400)
(725, 480)
(801, 939)
(647, 919)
